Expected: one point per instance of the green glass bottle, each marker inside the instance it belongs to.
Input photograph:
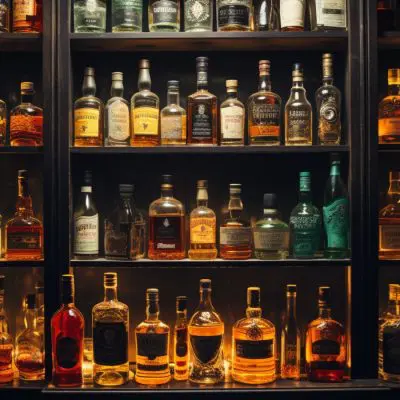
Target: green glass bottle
(305, 222)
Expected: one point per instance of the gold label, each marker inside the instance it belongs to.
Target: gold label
(87, 122)
(22, 8)
(202, 230)
(145, 121)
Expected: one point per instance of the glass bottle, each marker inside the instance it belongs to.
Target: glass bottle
(3, 116)
(181, 341)
(235, 237)
(90, 16)
(26, 120)
(206, 337)
(88, 114)
(164, 15)
(27, 15)
(67, 333)
(385, 15)
(253, 344)
(266, 15)
(117, 118)
(325, 343)
(388, 312)
(203, 226)
(152, 345)
(292, 14)
(328, 100)
(328, 15)
(39, 293)
(298, 112)
(29, 346)
(126, 15)
(110, 328)
(173, 118)
(234, 15)
(264, 111)
(232, 117)
(290, 338)
(6, 340)
(145, 110)
(5, 16)
(305, 222)
(199, 15)
(167, 225)
(202, 110)
(270, 234)
(24, 232)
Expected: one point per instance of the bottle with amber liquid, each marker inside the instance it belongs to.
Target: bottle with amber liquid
(27, 15)
(5, 15)
(6, 340)
(181, 344)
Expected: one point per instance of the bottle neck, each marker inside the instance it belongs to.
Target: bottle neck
(394, 89)
(324, 313)
(167, 192)
(117, 89)
(173, 97)
(202, 197)
(304, 196)
(253, 312)
(152, 310)
(264, 83)
(205, 299)
(24, 200)
(110, 293)
(144, 81)
(328, 81)
(89, 86)
(291, 306)
(235, 202)
(202, 80)
(181, 316)
(126, 201)
(298, 85)
(232, 94)
(26, 98)
(270, 213)
(30, 319)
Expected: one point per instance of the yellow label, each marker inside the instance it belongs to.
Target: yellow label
(87, 122)
(145, 121)
(202, 230)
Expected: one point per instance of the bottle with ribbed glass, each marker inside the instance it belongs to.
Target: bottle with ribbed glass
(181, 341)
(199, 15)
(126, 15)
(164, 15)
(6, 340)
(90, 16)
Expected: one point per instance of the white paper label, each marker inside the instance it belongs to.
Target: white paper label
(239, 236)
(232, 122)
(118, 121)
(292, 13)
(272, 239)
(331, 13)
(87, 235)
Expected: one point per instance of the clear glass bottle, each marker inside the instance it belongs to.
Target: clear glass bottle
(203, 227)
(328, 15)
(292, 14)
(6, 340)
(232, 114)
(234, 15)
(253, 344)
(126, 15)
(5, 9)
(27, 16)
(39, 292)
(298, 112)
(270, 234)
(164, 15)
(152, 345)
(266, 15)
(181, 341)
(199, 15)
(110, 325)
(3, 117)
(206, 337)
(90, 15)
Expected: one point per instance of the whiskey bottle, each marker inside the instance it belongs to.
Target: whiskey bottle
(325, 343)
(290, 338)
(26, 120)
(39, 293)
(328, 15)
(5, 15)
(126, 15)
(199, 15)
(234, 15)
(264, 111)
(145, 110)
(117, 118)
(298, 112)
(6, 340)
(206, 337)
(88, 114)
(29, 346)
(202, 227)
(86, 223)
(253, 344)
(232, 117)
(386, 15)
(167, 225)
(181, 341)
(3, 117)
(110, 337)
(202, 110)
(235, 238)
(266, 15)
(27, 15)
(173, 118)
(24, 232)
(328, 100)
(292, 14)
(164, 15)
(152, 345)
(67, 332)
(90, 16)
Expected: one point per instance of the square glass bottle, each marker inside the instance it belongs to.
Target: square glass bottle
(126, 15)
(164, 15)
(90, 16)
(199, 15)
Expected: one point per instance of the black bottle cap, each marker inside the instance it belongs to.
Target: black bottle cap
(87, 178)
(253, 297)
(205, 283)
(2, 282)
(166, 179)
(324, 296)
(181, 303)
(173, 84)
(89, 71)
(270, 201)
(31, 301)
(126, 188)
(152, 294)
(67, 288)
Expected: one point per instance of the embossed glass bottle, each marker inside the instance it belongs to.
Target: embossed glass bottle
(164, 15)
(90, 15)
(126, 15)
(181, 341)
(6, 340)
(198, 15)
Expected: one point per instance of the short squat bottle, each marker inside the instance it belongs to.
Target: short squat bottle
(126, 15)
(90, 16)
(164, 15)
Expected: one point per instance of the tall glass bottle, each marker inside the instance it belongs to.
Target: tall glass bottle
(206, 336)
(292, 14)
(327, 16)
(181, 340)
(266, 15)
(126, 15)
(5, 15)
(6, 340)
(39, 292)
(90, 15)
(164, 15)
(199, 15)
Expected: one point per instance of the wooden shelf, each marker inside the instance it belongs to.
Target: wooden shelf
(22, 264)
(16, 42)
(389, 148)
(21, 150)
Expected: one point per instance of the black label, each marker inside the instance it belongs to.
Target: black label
(110, 343)
(391, 350)
(254, 349)
(202, 121)
(326, 347)
(233, 14)
(23, 239)
(67, 352)
(4, 7)
(181, 348)
(144, 367)
(167, 233)
(145, 102)
(165, 11)
(206, 348)
(152, 345)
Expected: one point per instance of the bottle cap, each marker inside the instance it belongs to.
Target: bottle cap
(253, 297)
(117, 76)
(173, 84)
(87, 178)
(324, 296)
(181, 303)
(205, 284)
(110, 279)
(126, 188)
(166, 182)
(30, 300)
(291, 288)
(152, 294)
(144, 64)
(67, 287)
(39, 287)
(327, 63)
(23, 173)
(27, 87)
(235, 188)
(305, 181)
(89, 71)
(2, 282)
(231, 83)
(264, 67)
(394, 76)
(202, 62)
(270, 201)
(202, 184)
(297, 73)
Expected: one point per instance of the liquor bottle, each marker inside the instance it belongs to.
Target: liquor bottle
(206, 338)
(328, 100)
(199, 15)
(292, 14)
(325, 343)
(328, 15)
(26, 120)
(152, 345)
(253, 344)
(203, 226)
(336, 215)
(173, 118)
(298, 112)
(145, 110)
(235, 237)
(6, 340)
(388, 117)
(232, 117)
(270, 234)
(391, 305)
(264, 111)
(24, 232)
(5, 15)
(202, 110)
(290, 338)
(234, 15)
(67, 332)
(27, 15)
(90, 15)
(164, 15)
(126, 15)
(39, 293)
(88, 114)
(29, 346)
(117, 118)
(385, 15)
(3, 117)
(266, 15)
(110, 337)
(181, 338)
(167, 225)
(389, 334)
(305, 222)
(86, 223)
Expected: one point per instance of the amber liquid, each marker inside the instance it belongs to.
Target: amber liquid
(6, 371)
(31, 22)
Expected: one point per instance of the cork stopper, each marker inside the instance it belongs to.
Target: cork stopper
(144, 64)
(253, 297)
(110, 279)
(89, 71)
(394, 76)
(231, 85)
(117, 76)
(394, 292)
(264, 67)
(173, 85)
(327, 65)
(166, 182)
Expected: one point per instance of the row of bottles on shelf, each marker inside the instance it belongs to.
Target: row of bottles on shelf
(198, 350)
(244, 15)
(26, 16)
(268, 238)
(388, 15)
(143, 125)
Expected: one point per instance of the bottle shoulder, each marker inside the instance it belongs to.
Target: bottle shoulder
(305, 209)
(152, 327)
(88, 102)
(114, 101)
(172, 109)
(232, 103)
(248, 323)
(271, 223)
(206, 318)
(144, 94)
(202, 212)
(322, 324)
(166, 206)
(18, 220)
(202, 95)
(264, 96)
(68, 313)
(110, 307)
(27, 109)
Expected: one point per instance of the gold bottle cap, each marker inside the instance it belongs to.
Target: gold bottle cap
(110, 279)
(144, 64)
(394, 76)
(27, 86)
(231, 85)
(291, 289)
(253, 297)
(297, 73)
(327, 65)
(264, 67)
(117, 76)
(394, 292)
